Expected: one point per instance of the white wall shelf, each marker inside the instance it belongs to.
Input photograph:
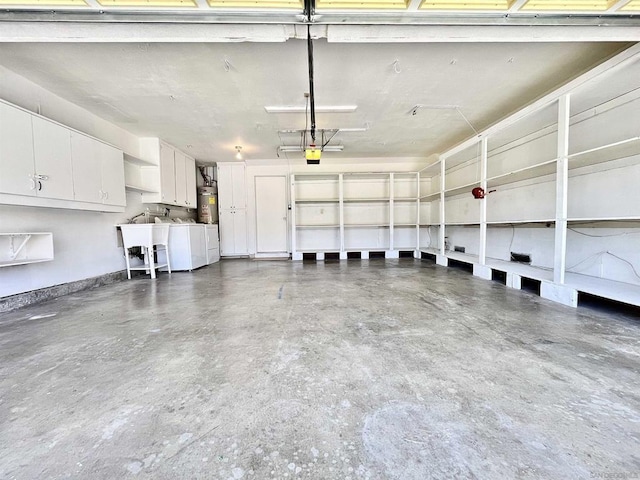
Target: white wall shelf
(526, 173)
(25, 248)
(319, 200)
(556, 167)
(140, 189)
(138, 161)
(629, 147)
(374, 211)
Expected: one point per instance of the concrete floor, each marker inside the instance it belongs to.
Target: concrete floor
(352, 370)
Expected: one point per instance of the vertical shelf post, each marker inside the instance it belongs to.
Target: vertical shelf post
(294, 246)
(391, 219)
(417, 250)
(441, 259)
(341, 209)
(562, 181)
(482, 254)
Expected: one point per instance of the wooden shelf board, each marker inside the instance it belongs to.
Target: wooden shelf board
(431, 196)
(431, 169)
(602, 287)
(138, 189)
(406, 199)
(462, 257)
(139, 161)
(510, 222)
(605, 153)
(317, 200)
(373, 225)
(430, 250)
(603, 219)
(461, 224)
(527, 271)
(450, 192)
(10, 263)
(317, 226)
(539, 170)
(414, 225)
(366, 200)
(318, 250)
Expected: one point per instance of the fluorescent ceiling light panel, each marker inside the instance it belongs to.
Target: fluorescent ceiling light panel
(257, 4)
(567, 5)
(44, 3)
(362, 4)
(147, 3)
(298, 148)
(301, 130)
(302, 109)
(466, 5)
(633, 5)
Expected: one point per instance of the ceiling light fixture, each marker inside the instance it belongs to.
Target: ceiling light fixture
(303, 108)
(298, 148)
(326, 130)
(238, 154)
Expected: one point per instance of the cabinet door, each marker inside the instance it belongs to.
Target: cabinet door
(181, 180)
(167, 175)
(231, 186)
(190, 173)
(85, 160)
(112, 168)
(52, 152)
(198, 245)
(240, 231)
(227, 240)
(225, 186)
(16, 151)
(238, 186)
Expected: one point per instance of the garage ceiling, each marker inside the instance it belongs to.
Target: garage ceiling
(206, 98)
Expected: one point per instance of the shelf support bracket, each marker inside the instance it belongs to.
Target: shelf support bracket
(16, 252)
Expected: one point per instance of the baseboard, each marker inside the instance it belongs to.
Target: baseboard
(20, 300)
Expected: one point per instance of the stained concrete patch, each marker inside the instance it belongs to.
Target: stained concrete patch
(411, 442)
(417, 442)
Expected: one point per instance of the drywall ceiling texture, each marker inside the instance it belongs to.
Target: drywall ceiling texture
(207, 98)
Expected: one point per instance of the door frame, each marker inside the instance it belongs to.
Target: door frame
(287, 252)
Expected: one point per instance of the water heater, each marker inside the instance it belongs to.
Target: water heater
(208, 204)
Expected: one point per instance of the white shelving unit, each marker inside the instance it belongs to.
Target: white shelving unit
(565, 172)
(25, 248)
(141, 176)
(355, 213)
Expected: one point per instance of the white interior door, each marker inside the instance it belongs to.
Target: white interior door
(271, 214)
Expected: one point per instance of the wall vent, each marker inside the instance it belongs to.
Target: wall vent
(521, 257)
(459, 249)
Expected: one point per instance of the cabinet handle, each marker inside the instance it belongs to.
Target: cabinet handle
(39, 185)
(106, 195)
(34, 184)
(42, 177)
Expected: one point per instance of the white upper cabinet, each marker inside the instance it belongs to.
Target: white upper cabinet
(16, 152)
(45, 164)
(172, 183)
(87, 183)
(180, 178)
(190, 172)
(112, 170)
(231, 186)
(167, 175)
(98, 171)
(52, 153)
